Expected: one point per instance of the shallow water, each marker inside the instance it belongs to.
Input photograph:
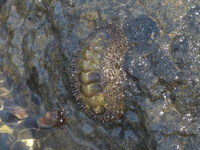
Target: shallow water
(38, 39)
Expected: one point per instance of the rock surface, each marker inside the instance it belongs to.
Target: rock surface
(38, 39)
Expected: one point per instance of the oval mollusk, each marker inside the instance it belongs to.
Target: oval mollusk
(97, 74)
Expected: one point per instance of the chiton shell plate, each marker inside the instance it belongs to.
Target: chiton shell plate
(97, 74)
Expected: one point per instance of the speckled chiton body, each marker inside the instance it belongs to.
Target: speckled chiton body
(97, 74)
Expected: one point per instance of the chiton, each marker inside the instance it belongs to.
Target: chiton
(97, 74)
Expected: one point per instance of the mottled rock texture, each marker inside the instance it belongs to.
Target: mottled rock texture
(162, 93)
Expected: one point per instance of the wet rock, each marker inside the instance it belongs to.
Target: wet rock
(139, 63)
(180, 51)
(185, 51)
(191, 21)
(41, 5)
(132, 119)
(16, 110)
(172, 101)
(164, 67)
(2, 2)
(34, 133)
(4, 11)
(116, 132)
(129, 135)
(186, 99)
(130, 140)
(4, 129)
(178, 142)
(4, 145)
(1, 105)
(87, 129)
(38, 40)
(24, 144)
(23, 7)
(141, 29)
(167, 13)
(59, 21)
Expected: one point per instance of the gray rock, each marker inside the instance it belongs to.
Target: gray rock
(38, 39)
